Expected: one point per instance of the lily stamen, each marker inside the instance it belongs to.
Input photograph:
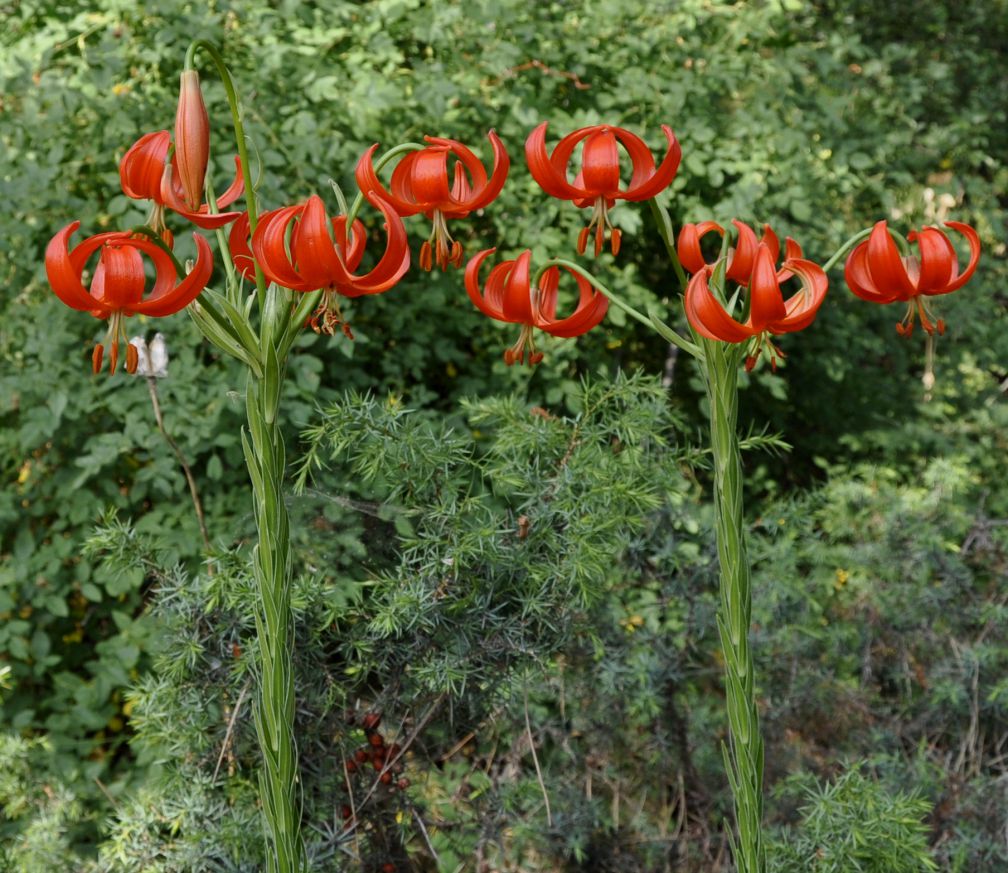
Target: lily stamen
(445, 249)
(516, 353)
(328, 316)
(602, 227)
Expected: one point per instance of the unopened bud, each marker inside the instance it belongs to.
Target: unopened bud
(192, 139)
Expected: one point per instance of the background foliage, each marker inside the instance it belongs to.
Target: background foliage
(879, 536)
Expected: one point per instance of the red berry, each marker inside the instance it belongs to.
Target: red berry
(403, 784)
(350, 766)
(345, 811)
(388, 868)
(376, 740)
(371, 721)
(385, 778)
(361, 755)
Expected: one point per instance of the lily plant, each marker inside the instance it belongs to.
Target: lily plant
(285, 270)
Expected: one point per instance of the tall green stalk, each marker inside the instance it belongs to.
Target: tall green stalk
(278, 778)
(225, 321)
(744, 755)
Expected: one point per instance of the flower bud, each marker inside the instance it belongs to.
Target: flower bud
(192, 139)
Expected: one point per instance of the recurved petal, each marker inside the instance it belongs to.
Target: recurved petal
(465, 156)
(581, 321)
(600, 170)
(860, 280)
(495, 288)
(494, 185)
(208, 220)
(590, 310)
(141, 168)
(542, 169)
(688, 244)
(461, 189)
(312, 249)
(937, 263)
(187, 290)
(269, 246)
(641, 159)
(64, 274)
(472, 286)
(803, 306)
(766, 304)
(235, 189)
(974, 244)
(394, 261)
(791, 251)
(428, 179)
(549, 284)
(352, 250)
(663, 176)
(367, 180)
(741, 264)
(886, 266)
(708, 317)
(164, 270)
(771, 241)
(241, 250)
(202, 217)
(517, 302)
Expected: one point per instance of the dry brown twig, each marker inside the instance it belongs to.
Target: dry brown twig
(536, 64)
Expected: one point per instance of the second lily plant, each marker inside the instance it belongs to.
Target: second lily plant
(285, 270)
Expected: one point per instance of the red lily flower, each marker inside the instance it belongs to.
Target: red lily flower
(420, 184)
(313, 259)
(769, 313)
(876, 272)
(598, 182)
(119, 284)
(146, 174)
(508, 296)
(741, 258)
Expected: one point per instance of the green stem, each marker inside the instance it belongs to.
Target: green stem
(668, 333)
(222, 241)
(664, 223)
(744, 759)
(278, 778)
(845, 248)
(265, 457)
